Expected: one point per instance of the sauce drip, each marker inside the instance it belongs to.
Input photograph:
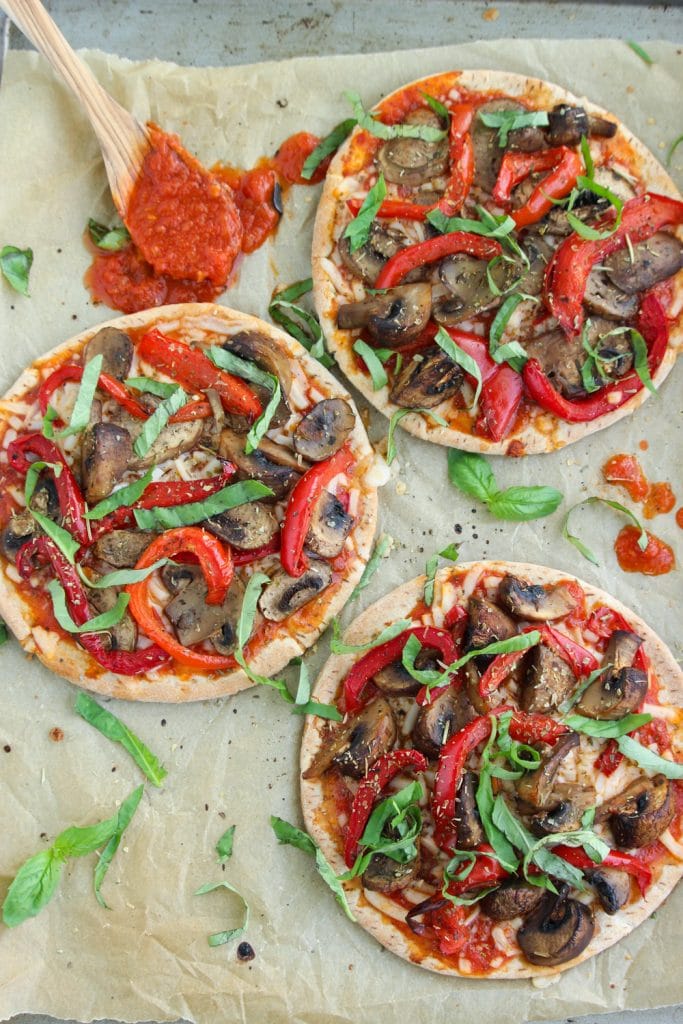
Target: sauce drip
(660, 499)
(626, 471)
(656, 560)
(679, 518)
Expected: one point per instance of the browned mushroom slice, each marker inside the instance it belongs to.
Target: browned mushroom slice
(645, 264)
(324, 429)
(426, 380)
(622, 647)
(512, 899)
(536, 787)
(279, 477)
(538, 252)
(22, 527)
(613, 888)
(116, 350)
(549, 680)
(122, 548)
(619, 692)
(468, 827)
(285, 594)
(603, 297)
(588, 208)
(566, 815)
(533, 601)
(396, 681)
(367, 261)
(173, 440)
(406, 161)
(121, 637)
(245, 527)
(106, 454)
(566, 125)
(469, 292)
(483, 704)
(640, 813)
(488, 154)
(439, 719)
(394, 317)
(487, 623)
(562, 358)
(194, 620)
(386, 875)
(329, 528)
(259, 348)
(557, 931)
(354, 746)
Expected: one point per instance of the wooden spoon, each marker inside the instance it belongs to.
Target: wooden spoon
(123, 140)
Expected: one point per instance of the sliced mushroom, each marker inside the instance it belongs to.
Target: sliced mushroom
(487, 623)
(367, 261)
(536, 787)
(396, 681)
(538, 252)
(280, 478)
(488, 155)
(603, 297)
(394, 317)
(566, 815)
(622, 647)
(260, 349)
(386, 875)
(194, 620)
(483, 704)
(245, 527)
(406, 161)
(640, 813)
(612, 696)
(121, 637)
(645, 264)
(324, 429)
(613, 888)
(329, 528)
(567, 124)
(512, 899)
(285, 594)
(354, 746)
(177, 576)
(467, 283)
(562, 358)
(469, 830)
(116, 350)
(22, 527)
(557, 931)
(533, 601)
(122, 548)
(426, 381)
(106, 454)
(549, 680)
(588, 208)
(440, 719)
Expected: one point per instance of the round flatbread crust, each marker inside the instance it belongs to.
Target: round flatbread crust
(397, 605)
(298, 632)
(547, 433)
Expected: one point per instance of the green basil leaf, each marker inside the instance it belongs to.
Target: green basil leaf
(507, 121)
(122, 498)
(294, 291)
(502, 846)
(380, 130)
(400, 815)
(292, 836)
(49, 418)
(647, 758)
(640, 360)
(61, 537)
(588, 817)
(568, 704)
(123, 819)
(523, 840)
(515, 356)
(396, 418)
(438, 107)
(303, 686)
(15, 266)
(224, 844)
(158, 420)
(381, 550)
(373, 363)
(161, 388)
(262, 425)
(672, 149)
(220, 938)
(452, 553)
(330, 144)
(337, 645)
(462, 358)
(109, 239)
(358, 230)
(196, 511)
(116, 731)
(224, 359)
(580, 546)
(519, 504)
(4, 633)
(471, 474)
(80, 414)
(79, 841)
(32, 888)
(584, 230)
(314, 707)
(596, 848)
(431, 678)
(98, 624)
(638, 49)
(33, 474)
(301, 324)
(587, 158)
(245, 623)
(604, 730)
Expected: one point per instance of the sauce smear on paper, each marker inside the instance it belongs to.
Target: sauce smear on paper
(656, 560)
(626, 471)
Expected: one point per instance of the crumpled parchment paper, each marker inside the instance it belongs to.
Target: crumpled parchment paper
(235, 761)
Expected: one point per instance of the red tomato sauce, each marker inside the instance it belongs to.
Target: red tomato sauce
(626, 471)
(660, 500)
(679, 518)
(656, 560)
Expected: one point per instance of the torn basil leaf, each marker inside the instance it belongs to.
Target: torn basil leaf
(369, 355)
(507, 121)
(381, 550)
(358, 230)
(116, 731)
(158, 420)
(220, 938)
(224, 844)
(292, 836)
(196, 511)
(80, 414)
(462, 358)
(330, 144)
(450, 552)
(583, 548)
(396, 418)
(606, 730)
(248, 370)
(123, 819)
(390, 632)
(639, 51)
(648, 759)
(122, 498)
(147, 385)
(298, 322)
(109, 239)
(370, 124)
(15, 266)
(98, 624)
(439, 108)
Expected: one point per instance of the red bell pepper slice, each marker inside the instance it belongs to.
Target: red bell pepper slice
(194, 370)
(301, 504)
(461, 153)
(581, 661)
(498, 671)
(250, 555)
(380, 775)
(653, 325)
(614, 859)
(394, 209)
(485, 871)
(216, 563)
(568, 271)
(379, 657)
(454, 615)
(609, 759)
(71, 501)
(414, 256)
(124, 663)
(565, 166)
(476, 347)
(499, 402)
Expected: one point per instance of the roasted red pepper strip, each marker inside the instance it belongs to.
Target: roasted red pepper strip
(485, 871)
(461, 155)
(380, 775)
(525, 727)
(71, 501)
(566, 166)
(499, 402)
(113, 387)
(300, 507)
(568, 271)
(395, 209)
(379, 657)
(653, 325)
(253, 554)
(191, 368)
(614, 859)
(413, 256)
(581, 661)
(216, 563)
(609, 759)
(498, 671)
(476, 347)
(123, 663)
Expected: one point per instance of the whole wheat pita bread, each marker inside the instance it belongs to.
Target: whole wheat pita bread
(545, 433)
(196, 322)
(321, 820)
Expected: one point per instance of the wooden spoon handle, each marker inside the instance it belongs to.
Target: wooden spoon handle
(123, 140)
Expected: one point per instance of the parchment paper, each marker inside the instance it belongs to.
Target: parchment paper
(235, 761)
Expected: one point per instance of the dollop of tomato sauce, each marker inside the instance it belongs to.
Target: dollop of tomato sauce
(679, 518)
(660, 499)
(626, 471)
(656, 560)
